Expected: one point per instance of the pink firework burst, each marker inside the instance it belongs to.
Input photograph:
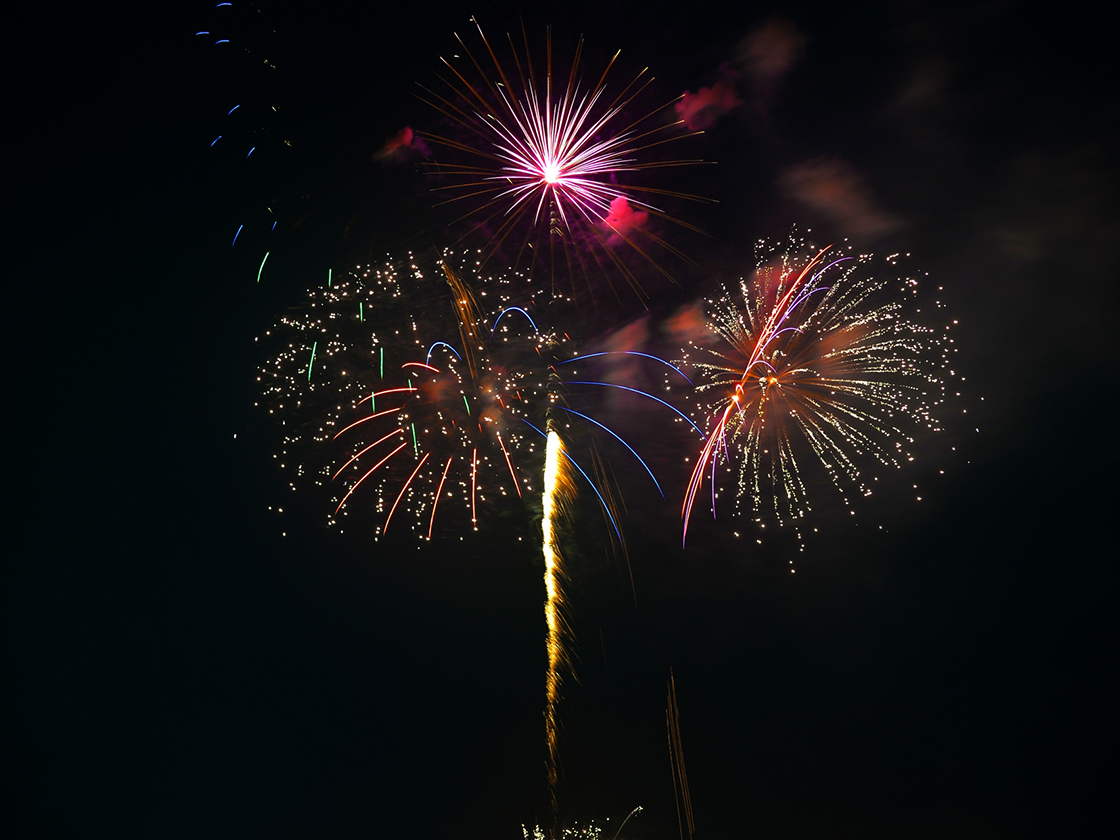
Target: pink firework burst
(543, 165)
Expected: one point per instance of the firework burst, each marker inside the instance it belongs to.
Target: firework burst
(822, 368)
(423, 413)
(459, 410)
(541, 166)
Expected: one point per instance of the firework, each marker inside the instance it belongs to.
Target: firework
(424, 427)
(393, 370)
(559, 493)
(250, 140)
(823, 371)
(419, 397)
(548, 165)
(557, 489)
(456, 408)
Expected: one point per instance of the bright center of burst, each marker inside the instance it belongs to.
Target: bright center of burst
(551, 173)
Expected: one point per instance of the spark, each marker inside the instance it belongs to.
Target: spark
(617, 437)
(403, 489)
(676, 760)
(374, 416)
(474, 487)
(435, 500)
(673, 408)
(512, 309)
(355, 485)
(364, 451)
(627, 353)
(574, 463)
(436, 344)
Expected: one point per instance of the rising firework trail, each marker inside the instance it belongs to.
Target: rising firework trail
(547, 165)
(557, 489)
(821, 371)
(559, 493)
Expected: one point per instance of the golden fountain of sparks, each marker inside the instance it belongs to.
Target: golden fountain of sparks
(557, 488)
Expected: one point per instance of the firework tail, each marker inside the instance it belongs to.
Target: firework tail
(468, 315)
(676, 761)
(557, 488)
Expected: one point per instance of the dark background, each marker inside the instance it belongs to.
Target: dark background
(188, 663)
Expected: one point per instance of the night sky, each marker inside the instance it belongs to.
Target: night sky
(189, 663)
